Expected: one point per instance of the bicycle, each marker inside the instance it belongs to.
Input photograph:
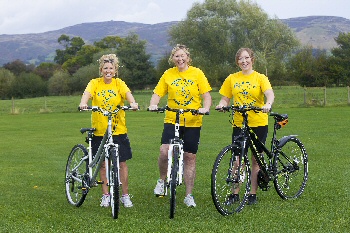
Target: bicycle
(286, 164)
(82, 167)
(175, 156)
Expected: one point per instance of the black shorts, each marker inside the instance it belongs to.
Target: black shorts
(122, 140)
(260, 131)
(190, 136)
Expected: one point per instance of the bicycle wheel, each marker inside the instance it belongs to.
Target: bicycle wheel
(173, 181)
(77, 178)
(114, 182)
(291, 163)
(230, 188)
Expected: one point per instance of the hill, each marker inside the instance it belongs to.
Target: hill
(318, 31)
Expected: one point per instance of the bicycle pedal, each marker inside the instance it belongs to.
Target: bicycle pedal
(160, 196)
(99, 182)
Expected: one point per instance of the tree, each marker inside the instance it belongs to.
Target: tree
(46, 69)
(135, 66)
(28, 85)
(58, 84)
(71, 47)
(83, 58)
(216, 29)
(6, 80)
(311, 67)
(109, 42)
(17, 67)
(81, 78)
(341, 59)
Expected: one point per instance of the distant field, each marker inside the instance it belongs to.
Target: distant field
(286, 97)
(34, 148)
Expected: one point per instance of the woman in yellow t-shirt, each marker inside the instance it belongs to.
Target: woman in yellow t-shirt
(248, 88)
(186, 87)
(107, 92)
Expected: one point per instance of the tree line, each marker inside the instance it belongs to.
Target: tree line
(213, 30)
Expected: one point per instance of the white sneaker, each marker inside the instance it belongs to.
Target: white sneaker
(105, 200)
(159, 189)
(189, 201)
(126, 201)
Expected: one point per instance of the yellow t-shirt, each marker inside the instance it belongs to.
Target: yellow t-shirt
(247, 90)
(184, 91)
(108, 97)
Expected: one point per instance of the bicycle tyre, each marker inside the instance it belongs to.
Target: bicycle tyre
(114, 183)
(223, 181)
(291, 165)
(173, 181)
(77, 178)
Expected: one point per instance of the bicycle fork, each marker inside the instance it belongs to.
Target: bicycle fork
(108, 149)
(179, 174)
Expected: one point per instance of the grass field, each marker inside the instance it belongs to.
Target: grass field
(34, 148)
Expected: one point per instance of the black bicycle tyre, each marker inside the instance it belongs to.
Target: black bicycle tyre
(173, 181)
(76, 181)
(114, 184)
(221, 187)
(291, 164)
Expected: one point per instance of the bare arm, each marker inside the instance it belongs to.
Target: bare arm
(207, 101)
(130, 98)
(270, 98)
(224, 102)
(84, 100)
(153, 105)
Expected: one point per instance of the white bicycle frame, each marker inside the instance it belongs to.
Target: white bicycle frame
(173, 143)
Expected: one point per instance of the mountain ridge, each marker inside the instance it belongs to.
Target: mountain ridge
(318, 31)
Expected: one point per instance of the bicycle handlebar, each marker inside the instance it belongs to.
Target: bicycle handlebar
(181, 111)
(106, 112)
(240, 109)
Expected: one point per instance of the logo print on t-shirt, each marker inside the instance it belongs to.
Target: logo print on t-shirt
(183, 91)
(245, 95)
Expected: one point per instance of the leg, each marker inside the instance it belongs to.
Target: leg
(123, 171)
(189, 171)
(163, 161)
(163, 168)
(103, 178)
(255, 170)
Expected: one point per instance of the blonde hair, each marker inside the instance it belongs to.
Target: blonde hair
(110, 58)
(248, 50)
(177, 48)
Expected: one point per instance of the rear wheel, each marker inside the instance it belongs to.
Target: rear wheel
(77, 178)
(173, 181)
(230, 180)
(114, 182)
(292, 169)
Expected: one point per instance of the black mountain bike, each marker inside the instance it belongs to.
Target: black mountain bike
(286, 164)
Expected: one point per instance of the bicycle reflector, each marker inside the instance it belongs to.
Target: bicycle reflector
(283, 122)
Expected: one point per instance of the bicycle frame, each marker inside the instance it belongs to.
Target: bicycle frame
(258, 148)
(176, 141)
(102, 153)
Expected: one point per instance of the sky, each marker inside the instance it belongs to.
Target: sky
(36, 16)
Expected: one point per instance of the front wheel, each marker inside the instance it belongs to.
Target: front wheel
(114, 182)
(291, 164)
(77, 177)
(173, 181)
(230, 180)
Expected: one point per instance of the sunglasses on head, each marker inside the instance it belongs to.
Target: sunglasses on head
(108, 60)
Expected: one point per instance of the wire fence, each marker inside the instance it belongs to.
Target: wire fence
(312, 96)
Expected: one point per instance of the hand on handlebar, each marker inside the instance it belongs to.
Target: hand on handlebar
(203, 111)
(266, 108)
(153, 107)
(134, 106)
